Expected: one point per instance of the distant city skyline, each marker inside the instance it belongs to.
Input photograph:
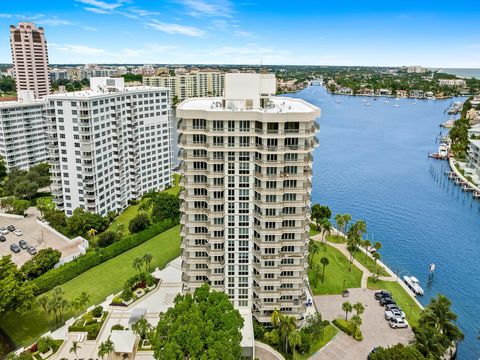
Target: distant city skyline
(432, 34)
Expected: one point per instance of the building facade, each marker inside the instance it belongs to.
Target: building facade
(186, 85)
(22, 133)
(30, 59)
(246, 161)
(108, 145)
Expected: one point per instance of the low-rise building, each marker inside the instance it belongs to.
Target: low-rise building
(22, 133)
(384, 92)
(108, 145)
(452, 82)
(402, 93)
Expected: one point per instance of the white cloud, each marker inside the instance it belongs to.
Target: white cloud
(176, 28)
(89, 28)
(97, 11)
(79, 49)
(142, 12)
(218, 8)
(6, 16)
(54, 22)
(242, 33)
(106, 6)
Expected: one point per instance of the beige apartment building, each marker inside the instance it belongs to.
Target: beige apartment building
(186, 85)
(246, 165)
(30, 60)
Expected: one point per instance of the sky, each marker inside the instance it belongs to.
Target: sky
(436, 34)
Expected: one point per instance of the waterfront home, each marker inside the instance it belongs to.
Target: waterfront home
(384, 92)
(344, 91)
(402, 93)
(430, 95)
(365, 92)
(452, 82)
(473, 160)
(419, 94)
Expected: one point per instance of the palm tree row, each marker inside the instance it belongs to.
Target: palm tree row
(356, 320)
(139, 261)
(287, 328)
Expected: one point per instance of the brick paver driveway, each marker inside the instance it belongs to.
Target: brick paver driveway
(375, 329)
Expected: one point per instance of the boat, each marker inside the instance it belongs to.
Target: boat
(338, 101)
(368, 104)
(413, 283)
(396, 105)
(466, 188)
(476, 195)
(386, 101)
(443, 150)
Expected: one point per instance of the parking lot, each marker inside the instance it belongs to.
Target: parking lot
(376, 330)
(34, 234)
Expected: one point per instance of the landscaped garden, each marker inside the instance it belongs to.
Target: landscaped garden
(337, 276)
(90, 322)
(100, 281)
(329, 332)
(400, 295)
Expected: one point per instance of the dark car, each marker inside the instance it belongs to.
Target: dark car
(15, 248)
(11, 228)
(392, 306)
(32, 250)
(23, 244)
(3, 238)
(382, 294)
(386, 301)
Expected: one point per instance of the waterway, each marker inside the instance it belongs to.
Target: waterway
(372, 163)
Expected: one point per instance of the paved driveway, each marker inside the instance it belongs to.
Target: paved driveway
(375, 329)
(36, 235)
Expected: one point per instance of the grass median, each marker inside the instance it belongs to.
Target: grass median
(98, 282)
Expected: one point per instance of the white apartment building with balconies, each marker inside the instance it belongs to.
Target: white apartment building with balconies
(246, 165)
(22, 133)
(186, 85)
(108, 145)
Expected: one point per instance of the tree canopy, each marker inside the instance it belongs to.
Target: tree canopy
(204, 325)
(396, 352)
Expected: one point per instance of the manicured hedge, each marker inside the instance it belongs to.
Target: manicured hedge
(347, 327)
(68, 271)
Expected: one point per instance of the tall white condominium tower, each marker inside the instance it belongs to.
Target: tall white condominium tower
(108, 145)
(30, 59)
(22, 133)
(247, 166)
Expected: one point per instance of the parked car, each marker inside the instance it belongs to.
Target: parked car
(398, 323)
(23, 244)
(18, 232)
(3, 230)
(3, 238)
(387, 300)
(15, 248)
(394, 313)
(31, 250)
(392, 306)
(382, 294)
(11, 228)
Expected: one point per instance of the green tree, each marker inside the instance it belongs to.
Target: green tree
(340, 222)
(142, 328)
(107, 238)
(25, 189)
(356, 322)
(137, 263)
(91, 233)
(147, 259)
(43, 261)
(397, 352)
(275, 320)
(286, 326)
(165, 206)
(326, 226)
(3, 169)
(74, 349)
(294, 339)
(80, 301)
(138, 223)
(430, 343)
(347, 307)
(359, 308)
(324, 261)
(204, 325)
(313, 249)
(346, 220)
(105, 348)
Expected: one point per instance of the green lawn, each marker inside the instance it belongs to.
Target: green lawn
(329, 333)
(369, 263)
(130, 212)
(313, 230)
(335, 273)
(337, 239)
(402, 298)
(99, 282)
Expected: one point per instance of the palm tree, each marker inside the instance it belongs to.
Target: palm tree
(346, 220)
(377, 246)
(352, 246)
(43, 302)
(286, 326)
(106, 348)
(91, 233)
(324, 261)
(313, 249)
(316, 269)
(326, 228)
(347, 307)
(142, 327)
(340, 222)
(430, 343)
(147, 258)
(366, 244)
(359, 308)
(294, 339)
(75, 347)
(356, 321)
(376, 257)
(275, 318)
(137, 263)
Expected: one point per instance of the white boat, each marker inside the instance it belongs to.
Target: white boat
(413, 283)
(396, 105)
(443, 150)
(386, 101)
(338, 101)
(368, 104)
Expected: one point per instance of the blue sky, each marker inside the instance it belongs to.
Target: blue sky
(382, 33)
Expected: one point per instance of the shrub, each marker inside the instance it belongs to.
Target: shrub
(138, 223)
(40, 263)
(91, 259)
(117, 300)
(127, 295)
(107, 238)
(347, 327)
(117, 327)
(97, 311)
(44, 344)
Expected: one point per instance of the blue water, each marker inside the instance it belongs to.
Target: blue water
(465, 73)
(372, 163)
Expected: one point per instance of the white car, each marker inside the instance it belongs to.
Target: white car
(4, 230)
(398, 323)
(394, 313)
(18, 232)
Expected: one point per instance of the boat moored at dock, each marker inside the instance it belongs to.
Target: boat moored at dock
(414, 285)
